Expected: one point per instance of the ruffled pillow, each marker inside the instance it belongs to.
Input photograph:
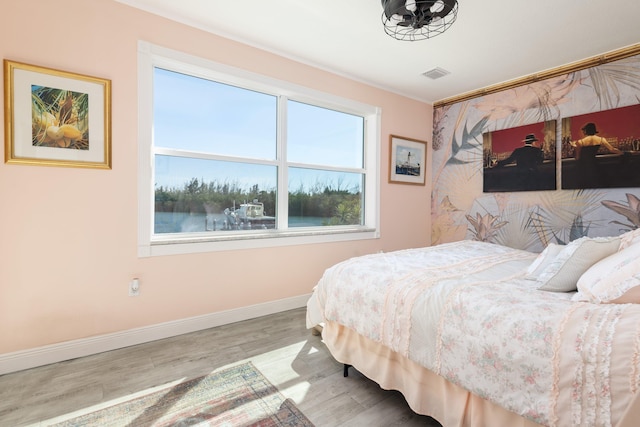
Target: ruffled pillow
(629, 238)
(632, 296)
(543, 260)
(612, 279)
(563, 272)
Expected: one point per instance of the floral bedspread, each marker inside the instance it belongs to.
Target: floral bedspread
(465, 311)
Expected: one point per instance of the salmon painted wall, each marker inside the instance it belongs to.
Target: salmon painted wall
(68, 237)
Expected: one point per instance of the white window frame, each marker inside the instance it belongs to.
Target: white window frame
(151, 56)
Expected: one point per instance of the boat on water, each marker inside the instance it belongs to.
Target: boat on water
(250, 215)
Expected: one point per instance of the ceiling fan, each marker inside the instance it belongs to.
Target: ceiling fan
(418, 19)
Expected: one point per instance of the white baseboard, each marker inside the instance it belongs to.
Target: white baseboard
(39, 356)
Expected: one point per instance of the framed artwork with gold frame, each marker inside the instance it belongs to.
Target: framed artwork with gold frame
(56, 118)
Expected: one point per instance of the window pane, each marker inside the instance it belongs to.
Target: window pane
(196, 114)
(322, 198)
(194, 195)
(321, 136)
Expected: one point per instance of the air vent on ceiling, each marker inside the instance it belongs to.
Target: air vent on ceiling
(436, 73)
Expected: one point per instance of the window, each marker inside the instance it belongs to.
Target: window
(231, 159)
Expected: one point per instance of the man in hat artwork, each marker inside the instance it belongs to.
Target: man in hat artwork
(527, 159)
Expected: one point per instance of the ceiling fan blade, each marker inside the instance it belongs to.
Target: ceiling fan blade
(395, 7)
(405, 23)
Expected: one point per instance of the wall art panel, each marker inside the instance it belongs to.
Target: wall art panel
(462, 209)
(520, 159)
(601, 149)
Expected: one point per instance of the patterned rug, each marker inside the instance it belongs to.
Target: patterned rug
(237, 396)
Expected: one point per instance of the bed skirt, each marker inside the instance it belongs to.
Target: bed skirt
(426, 392)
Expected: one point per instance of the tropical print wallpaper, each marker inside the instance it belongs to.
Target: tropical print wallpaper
(528, 219)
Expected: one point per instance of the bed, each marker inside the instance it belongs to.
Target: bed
(478, 334)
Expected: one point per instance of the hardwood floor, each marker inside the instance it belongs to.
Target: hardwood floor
(279, 345)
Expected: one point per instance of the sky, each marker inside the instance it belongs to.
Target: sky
(200, 115)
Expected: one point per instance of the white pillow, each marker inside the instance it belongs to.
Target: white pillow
(562, 273)
(542, 261)
(629, 238)
(610, 278)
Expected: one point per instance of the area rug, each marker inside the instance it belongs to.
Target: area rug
(233, 397)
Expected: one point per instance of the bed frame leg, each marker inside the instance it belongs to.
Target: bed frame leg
(345, 370)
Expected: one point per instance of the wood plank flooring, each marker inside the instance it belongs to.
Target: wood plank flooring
(279, 345)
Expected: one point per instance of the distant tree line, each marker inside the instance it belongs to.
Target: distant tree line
(339, 205)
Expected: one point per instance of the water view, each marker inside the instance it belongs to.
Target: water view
(179, 222)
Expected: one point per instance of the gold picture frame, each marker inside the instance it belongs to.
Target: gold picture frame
(56, 118)
(407, 160)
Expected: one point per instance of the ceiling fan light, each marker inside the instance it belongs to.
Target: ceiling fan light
(437, 7)
(417, 19)
(396, 19)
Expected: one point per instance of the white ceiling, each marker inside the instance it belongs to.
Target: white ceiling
(491, 42)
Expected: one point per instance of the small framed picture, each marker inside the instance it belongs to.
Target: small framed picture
(407, 160)
(56, 118)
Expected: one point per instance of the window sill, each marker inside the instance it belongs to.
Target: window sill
(178, 244)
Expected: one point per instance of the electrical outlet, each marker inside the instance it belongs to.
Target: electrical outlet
(134, 288)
